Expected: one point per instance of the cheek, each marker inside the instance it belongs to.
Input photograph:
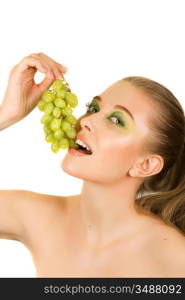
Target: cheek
(119, 155)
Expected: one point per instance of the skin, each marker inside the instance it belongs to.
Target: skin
(100, 232)
(117, 166)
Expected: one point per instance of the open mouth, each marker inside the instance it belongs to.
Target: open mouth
(83, 150)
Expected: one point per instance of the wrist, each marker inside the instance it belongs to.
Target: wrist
(4, 120)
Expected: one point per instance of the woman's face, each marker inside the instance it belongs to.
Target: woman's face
(115, 138)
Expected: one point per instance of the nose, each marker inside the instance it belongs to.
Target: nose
(86, 123)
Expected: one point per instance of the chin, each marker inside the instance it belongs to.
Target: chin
(67, 166)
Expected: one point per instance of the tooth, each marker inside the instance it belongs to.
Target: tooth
(79, 142)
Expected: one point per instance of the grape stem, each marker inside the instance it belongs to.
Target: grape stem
(66, 83)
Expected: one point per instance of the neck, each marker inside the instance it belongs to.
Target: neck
(108, 211)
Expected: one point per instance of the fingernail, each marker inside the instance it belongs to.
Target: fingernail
(60, 77)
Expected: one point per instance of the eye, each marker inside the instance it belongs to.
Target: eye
(90, 108)
(116, 120)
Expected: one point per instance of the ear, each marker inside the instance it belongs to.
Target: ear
(147, 166)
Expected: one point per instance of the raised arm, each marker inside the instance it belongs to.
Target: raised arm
(22, 93)
(18, 208)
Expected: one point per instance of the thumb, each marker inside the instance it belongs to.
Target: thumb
(46, 82)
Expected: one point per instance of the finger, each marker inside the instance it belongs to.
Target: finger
(45, 62)
(57, 69)
(46, 82)
(62, 68)
(28, 62)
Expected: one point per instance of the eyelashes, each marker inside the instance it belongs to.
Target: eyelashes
(89, 106)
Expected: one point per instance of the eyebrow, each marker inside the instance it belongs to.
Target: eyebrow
(99, 98)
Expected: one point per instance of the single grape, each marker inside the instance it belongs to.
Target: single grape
(64, 143)
(72, 144)
(48, 108)
(71, 119)
(55, 146)
(57, 112)
(46, 119)
(71, 99)
(50, 138)
(59, 102)
(66, 111)
(47, 130)
(65, 126)
(58, 134)
(61, 93)
(57, 85)
(71, 133)
(41, 105)
(48, 96)
(55, 124)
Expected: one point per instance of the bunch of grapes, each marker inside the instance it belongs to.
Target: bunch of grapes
(58, 121)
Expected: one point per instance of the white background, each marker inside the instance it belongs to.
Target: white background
(100, 41)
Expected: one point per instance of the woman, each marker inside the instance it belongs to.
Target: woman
(129, 219)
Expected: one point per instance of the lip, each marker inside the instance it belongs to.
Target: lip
(83, 139)
(76, 152)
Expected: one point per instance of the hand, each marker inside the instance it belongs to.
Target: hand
(22, 93)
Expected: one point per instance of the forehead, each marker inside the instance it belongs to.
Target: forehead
(134, 99)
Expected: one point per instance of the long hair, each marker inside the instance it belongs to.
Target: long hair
(163, 194)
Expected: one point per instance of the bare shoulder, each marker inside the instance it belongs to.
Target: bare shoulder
(36, 211)
(167, 246)
(38, 202)
(170, 237)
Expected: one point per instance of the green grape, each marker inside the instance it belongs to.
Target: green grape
(47, 130)
(61, 94)
(72, 144)
(59, 102)
(71, 119)
(57, 112)
(58, 134)
(71, 99)
(66, 111)
(59, 124)
(64, 143)
(57, 85)
(48, 108)
(65, 126)
(50, 138)
(71, 133)
(48, 96)
(55, 146)
(41, 105)
(55, 124)
(46, 119)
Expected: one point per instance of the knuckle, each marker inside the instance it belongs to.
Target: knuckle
(40, 53)
(13, 69)
(25, 58)
(33, 54)
(28, 57)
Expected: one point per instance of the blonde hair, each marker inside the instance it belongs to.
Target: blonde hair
(163, 194)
